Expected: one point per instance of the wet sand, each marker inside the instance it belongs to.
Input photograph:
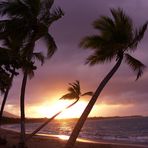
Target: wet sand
(56, 141)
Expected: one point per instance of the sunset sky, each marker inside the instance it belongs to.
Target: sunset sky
(122, 96)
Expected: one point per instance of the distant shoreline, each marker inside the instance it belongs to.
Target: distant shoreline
(8, 120)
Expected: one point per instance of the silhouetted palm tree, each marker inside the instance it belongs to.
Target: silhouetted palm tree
(10, 62)
(5, 96)
(4, 80)
(117, 38)
(73, 94)
(35, 18)
(4, 75)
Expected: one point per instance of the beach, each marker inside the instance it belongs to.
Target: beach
(41, 141)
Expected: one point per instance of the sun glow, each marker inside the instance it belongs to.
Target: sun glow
(48, 110)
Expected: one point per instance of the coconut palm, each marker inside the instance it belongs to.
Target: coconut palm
(34, 17)
(73, 94)
(13, 60)
(5, 96)
(116, 39)
(10, 62)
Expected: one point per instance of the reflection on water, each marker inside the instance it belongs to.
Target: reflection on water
(63, 137)
(131, 130)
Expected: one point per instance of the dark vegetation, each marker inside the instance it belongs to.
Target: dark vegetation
(6, 120)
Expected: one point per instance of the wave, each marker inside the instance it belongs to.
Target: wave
(134, 131)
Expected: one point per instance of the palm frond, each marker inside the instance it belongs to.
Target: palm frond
(75, 87)
(48, 4)
(120, 17)
(116, 35)
(139, 33)
(90, 93)
(47, 16)
(100, 56)
(75, 91)
(105, 24)
(56, 14)
(15, 28)
(123, 30)
(12, 44)
(39, 56)
(33, 6)
(93, 42)
(71, 89)
(50, 44)
(4, 80)
(68, 96)
(135, 64)
(6, 56)
(45, 11)
(13, 8)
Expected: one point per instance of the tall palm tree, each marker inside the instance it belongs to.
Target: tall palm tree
(35, 18)
(117, 37)
(13, 60)
(73, 94)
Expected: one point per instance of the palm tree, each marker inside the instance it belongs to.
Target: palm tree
(4, 75)
(73, 94)
(117, 38)
(10, 63)
(34, 17)
(4, 80)
(5, 97)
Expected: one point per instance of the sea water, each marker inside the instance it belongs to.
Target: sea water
(132, 130)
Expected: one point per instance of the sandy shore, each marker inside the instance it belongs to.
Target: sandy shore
(43, 141)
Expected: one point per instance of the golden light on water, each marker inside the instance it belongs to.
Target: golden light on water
(63, 137)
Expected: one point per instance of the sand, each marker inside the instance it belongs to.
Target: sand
(43, 141)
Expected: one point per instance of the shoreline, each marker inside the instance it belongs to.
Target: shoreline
(58, 141)
(82, 140)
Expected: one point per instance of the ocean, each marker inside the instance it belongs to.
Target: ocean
(132, 130)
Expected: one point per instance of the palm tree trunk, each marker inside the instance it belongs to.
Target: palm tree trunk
(50, 119)
(5, 98)
(22, 109)
(82, 119)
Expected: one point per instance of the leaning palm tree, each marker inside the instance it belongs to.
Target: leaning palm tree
(117, 37)
(37, 16)
(73, 94)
